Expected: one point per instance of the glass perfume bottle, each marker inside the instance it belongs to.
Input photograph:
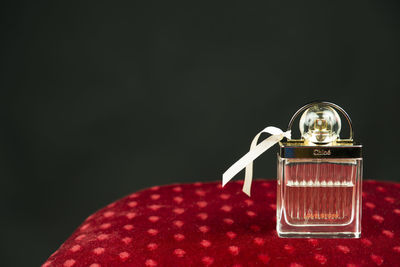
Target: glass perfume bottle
(319, 177)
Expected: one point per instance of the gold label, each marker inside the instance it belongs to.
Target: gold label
(322, 152)
(318, 215)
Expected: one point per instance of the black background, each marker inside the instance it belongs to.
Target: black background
(102, 99)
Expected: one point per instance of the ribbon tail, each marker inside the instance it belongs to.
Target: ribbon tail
(263, 146)
(246, 161)
(249, 168)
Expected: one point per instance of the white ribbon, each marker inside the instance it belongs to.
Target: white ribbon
(255, 150)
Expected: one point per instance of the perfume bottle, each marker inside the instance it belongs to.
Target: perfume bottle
(319, 177)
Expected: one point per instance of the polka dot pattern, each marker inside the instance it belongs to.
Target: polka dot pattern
(203, 224)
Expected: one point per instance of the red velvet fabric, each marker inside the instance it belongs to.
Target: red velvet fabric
(203, 224)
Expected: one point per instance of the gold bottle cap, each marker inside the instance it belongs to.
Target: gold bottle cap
(320, 126)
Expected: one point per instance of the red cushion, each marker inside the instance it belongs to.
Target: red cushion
(202, 224)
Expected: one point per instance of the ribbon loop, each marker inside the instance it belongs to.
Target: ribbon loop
(255, 151)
